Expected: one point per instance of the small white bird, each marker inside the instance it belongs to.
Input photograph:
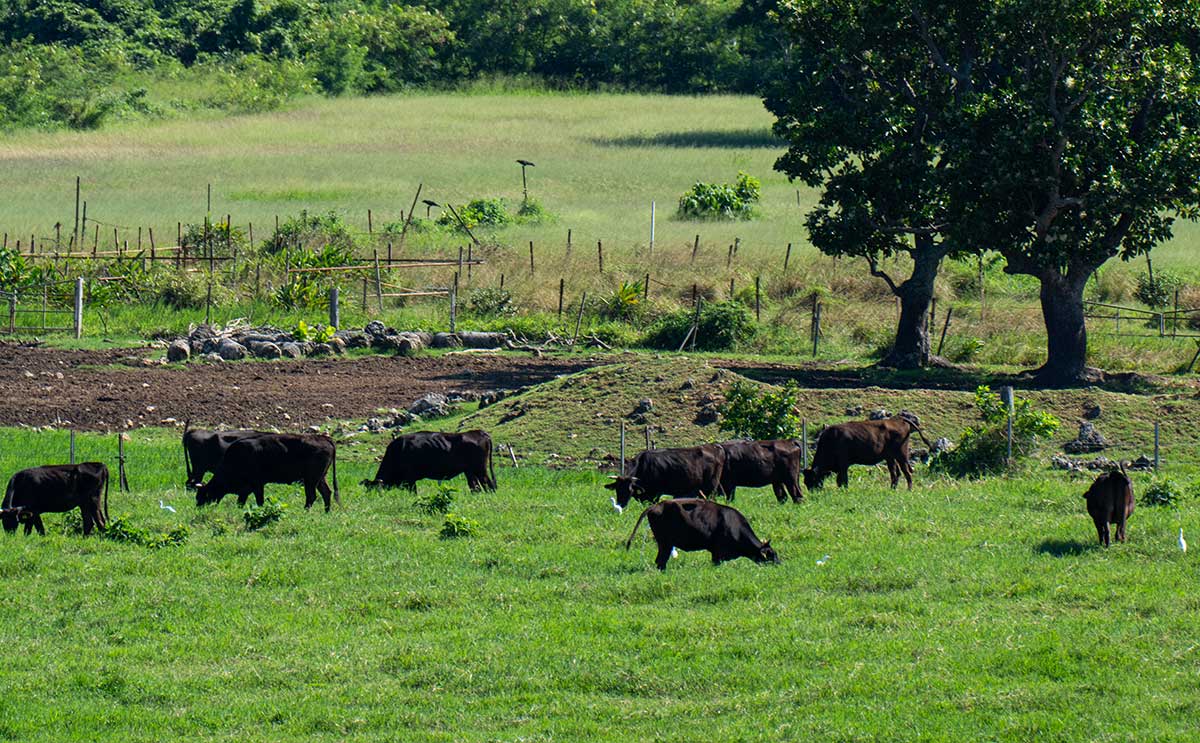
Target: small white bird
(823, 560)
(616, 507)
(674, 553)
(1182, 544)
(165, 507)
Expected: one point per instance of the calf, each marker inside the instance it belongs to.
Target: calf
(430, 455)
(755, 464)
(692, 471)
(1110, 501)
(698, 524)
(251, 463)
(863, 442)
(53, 489)
(202, 450)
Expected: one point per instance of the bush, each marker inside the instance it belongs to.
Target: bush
(438, 501)
(188, 291)
(218, 236)
(1159, 292)
(313, 231)
(983, 450)
(721, 201)
(120, 529)
(625, 302)
(491, 303)
(457, 526)
(14, 271)
(477, 213)
(257, 517)
(723, 326)
(532, 212)
(756, 413)
(1162, 492)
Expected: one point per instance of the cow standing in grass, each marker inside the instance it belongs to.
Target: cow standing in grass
(697, 524)
(53, 489)
(251, 463)
(431, 455)
(203, 450)
(756, 464)
(692, 471)
(863, 442)
(1110, 501)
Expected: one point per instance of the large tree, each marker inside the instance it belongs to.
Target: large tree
(1082, 144)
(865, 106)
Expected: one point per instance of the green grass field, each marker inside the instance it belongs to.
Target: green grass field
(959, 611)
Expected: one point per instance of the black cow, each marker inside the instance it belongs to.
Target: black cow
(693, 471)
(1110, 501)
(53, 489)
(863, 442)
(251, 463)
(202, 450)
(698, 524)
(431, 455)
(755, 464)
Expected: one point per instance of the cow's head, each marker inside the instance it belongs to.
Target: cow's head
(766, 553)
(12, 517)
(626, 487)
(208, 493)
(813, 478)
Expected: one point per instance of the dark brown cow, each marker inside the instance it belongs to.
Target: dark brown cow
(697, 524)
(53, 489)
(202, 450)
(756, 464)
(1110, 501)
(863, 442)
(691, 471)
(430, 455)
(251, 463)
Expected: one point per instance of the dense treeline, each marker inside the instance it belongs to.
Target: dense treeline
(76, 62)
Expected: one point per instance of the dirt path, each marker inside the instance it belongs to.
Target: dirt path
(104, 390)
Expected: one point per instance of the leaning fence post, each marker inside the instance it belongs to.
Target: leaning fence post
(816, 326)
(942, 342)
(454, 304)
(79, 307)
(787, 257)
(378, 282)
(1156, 458)
(122, 481)
(579, 318)
(1006, 396)
(335, 317)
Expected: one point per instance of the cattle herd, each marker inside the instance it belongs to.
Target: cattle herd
(244, 462)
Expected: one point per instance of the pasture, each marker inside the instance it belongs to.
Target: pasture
(961, 610)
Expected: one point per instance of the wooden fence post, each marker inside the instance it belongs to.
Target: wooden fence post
(72, 452)
(454, 304)
(579, 318)
(787, 257)
(757, 299)
(122, 480)
(600, 254)
(1156, 457)
(816, 326)
(531, 257)
(378, 282)
(79, 307)
(335, 316)
(942, 342)
(562, 285)
(695, 248)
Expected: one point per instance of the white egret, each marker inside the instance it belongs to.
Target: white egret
(165, 507)
(1182, 543)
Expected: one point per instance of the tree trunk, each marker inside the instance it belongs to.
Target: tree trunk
(912, 349)
(1066, 330)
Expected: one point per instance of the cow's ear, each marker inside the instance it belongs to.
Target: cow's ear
(612, 485)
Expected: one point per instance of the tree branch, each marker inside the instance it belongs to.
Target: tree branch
(874, 263)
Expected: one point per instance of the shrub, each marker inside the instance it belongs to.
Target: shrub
(491, 303)
(532, 212)
(313, 231)
(437, 501)
(198, 239)
(1158, 292)
(624, 303)
(721, 201)
(966, 349)
(120, 529)
(722, 326)
(477, 213)
(1162, 492)
(757, 413)
(457, 526)
(188, 291)
(983, 450)
(14, 272)
(257, 517)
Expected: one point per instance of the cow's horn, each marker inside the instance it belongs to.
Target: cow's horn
(614, 477)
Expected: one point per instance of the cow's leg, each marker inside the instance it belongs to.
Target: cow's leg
(1121, 526)
(326, 493)
(1104, 532)
(664, 555)
(729, 492)
(88, 519)
(780, 495)
(473, 483)
(310, 494)
(29, 526)
(893, 472)
(37, 523)
(242, 498)
(843, 477)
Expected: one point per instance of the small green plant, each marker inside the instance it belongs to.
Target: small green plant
(491, 302)
(721, 200)
(967, 349)
(456, 527)
(755, 412)
(120, 529)
(1158, 291)
(983, 449)
(311, 231)
(437, 501)
(722, 326)
(625, 303)
(1162, 491)
(477, 213)
(318, 334)
(532, 212)
(257, 517)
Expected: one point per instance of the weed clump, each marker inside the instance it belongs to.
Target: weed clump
(258, 517)
(120, 529)
(754, 413)
(492, 302)
(1162, 492)
(722, 326)
(456, 527)
(983, 449)
(438, 501)
(722, 200)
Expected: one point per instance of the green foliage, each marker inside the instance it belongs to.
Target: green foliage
(983, 449)
(1158, 292)
(532, 212)
(721, 201)
(258, 517)
(187, 291)
(1162, 491)
(121, 529)
(491, 302)
(252, 84)
(754, 412)
(327, 234)
(477, 213)
(624, 303)
(317, 334)
(437, 501)
(14, 271)
(217, 236)
(456, 527)
(723, 326)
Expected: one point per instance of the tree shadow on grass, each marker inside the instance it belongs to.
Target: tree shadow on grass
(726, 138)
(1064, 547)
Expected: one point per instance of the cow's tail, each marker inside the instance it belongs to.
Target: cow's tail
(921, 434)
(187, 461)
(636, 524)
(106, 496)
(337, 496)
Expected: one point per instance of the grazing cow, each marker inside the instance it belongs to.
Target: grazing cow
(1110, 501)
(430, 455)
(53, 489)
(863, 442)
(693, 471)
(698, 524)
(202, 450)
(251, 463)
(755, 464)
